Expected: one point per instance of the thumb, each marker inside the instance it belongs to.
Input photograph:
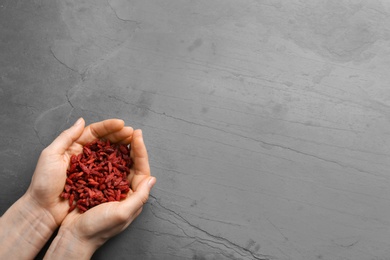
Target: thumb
(67, 137)
(140, 196)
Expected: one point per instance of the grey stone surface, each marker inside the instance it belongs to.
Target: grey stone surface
(267, 122)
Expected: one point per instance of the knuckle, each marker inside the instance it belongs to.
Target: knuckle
(143, 199)
(122, 216)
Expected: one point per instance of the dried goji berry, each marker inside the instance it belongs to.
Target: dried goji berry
(97, 175)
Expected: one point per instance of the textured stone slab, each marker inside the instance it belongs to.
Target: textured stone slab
(266, 121)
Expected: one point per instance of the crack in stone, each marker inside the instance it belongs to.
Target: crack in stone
(158, 233)
(64, 64)
(43, 114)
(215, 239)
(67, 102)
(137, 23)
(68, 99)
(193, 239)
(348, 245)
(270, 144)
(203, 241)
(253, 139)
(38, 136)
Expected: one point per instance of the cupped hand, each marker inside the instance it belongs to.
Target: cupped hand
(50, 173)
(98, 224)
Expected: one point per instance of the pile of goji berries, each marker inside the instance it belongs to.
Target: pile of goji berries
(97, 175)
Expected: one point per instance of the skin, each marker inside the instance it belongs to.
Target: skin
(31, 221)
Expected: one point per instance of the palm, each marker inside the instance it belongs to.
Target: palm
(103, 218)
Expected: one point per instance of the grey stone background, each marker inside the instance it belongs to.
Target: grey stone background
(267, 122)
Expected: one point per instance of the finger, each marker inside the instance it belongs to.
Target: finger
(140, 169)
(123, 136)
(139, 154)
(139, 197)
(100, 129)
(67, 137)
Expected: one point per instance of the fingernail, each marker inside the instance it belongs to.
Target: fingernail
(78, 121)
(151, 182)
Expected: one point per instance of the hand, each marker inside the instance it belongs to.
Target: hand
(50, 174)
(27, 225)
(81, 234)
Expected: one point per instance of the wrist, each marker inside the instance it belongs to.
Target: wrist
(67, 245)
(25, 228)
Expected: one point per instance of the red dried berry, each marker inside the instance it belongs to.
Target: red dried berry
(97, 175)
